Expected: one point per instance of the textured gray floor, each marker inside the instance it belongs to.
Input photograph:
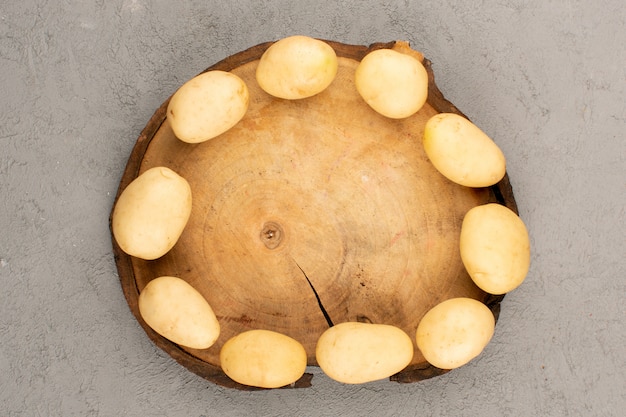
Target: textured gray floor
(79, 80)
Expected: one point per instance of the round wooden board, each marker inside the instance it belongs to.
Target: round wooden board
(310, 213)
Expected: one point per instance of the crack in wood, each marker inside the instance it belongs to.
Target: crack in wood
(319, 300)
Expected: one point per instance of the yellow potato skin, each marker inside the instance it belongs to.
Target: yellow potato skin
(392, 83)
(297, 67)
(355, 353)
(178, 312)
(462, 152)
(151, 213)
(495, 248)
(454, 332)
(263, 358)
(207, 106)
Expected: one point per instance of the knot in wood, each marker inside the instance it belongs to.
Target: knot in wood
(271, 235)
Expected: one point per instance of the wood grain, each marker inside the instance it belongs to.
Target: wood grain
(310, 213)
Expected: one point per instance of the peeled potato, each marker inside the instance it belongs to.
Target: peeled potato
(178, 312)
(392, 83)
(151, 213)
(454, 332)
(495, 248)
(297, 67)
(462, 152)
(263, 358)
(207, 106)
(355, 353)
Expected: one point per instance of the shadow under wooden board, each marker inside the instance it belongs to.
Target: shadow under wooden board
(310, 213)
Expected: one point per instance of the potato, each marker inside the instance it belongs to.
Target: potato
(151, 213)
(392, 83)
(462, 152)
(263, 358)
(177, 311)
(495, 248)
(355, 353)
(454, 332)
(297, 67)
(207, 106)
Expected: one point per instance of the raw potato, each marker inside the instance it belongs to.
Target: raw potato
(392, 83)
(297, 67)
(178, 312)
(355, 353)
(263, 358)
(495, 248)
(207, 106)
(462, 152)
(454, 332)
(151, 213)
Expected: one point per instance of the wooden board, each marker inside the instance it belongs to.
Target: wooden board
(310, 213)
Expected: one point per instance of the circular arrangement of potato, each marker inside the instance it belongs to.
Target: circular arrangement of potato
(297, 67)
(495, 248)
(392, 83)
(207, 105)
(263, 358)
(354, 352)
(454, 332)
(462, 152)
(151, 213)
(178, 312)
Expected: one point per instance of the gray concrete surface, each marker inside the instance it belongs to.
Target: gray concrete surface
(79, 80)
